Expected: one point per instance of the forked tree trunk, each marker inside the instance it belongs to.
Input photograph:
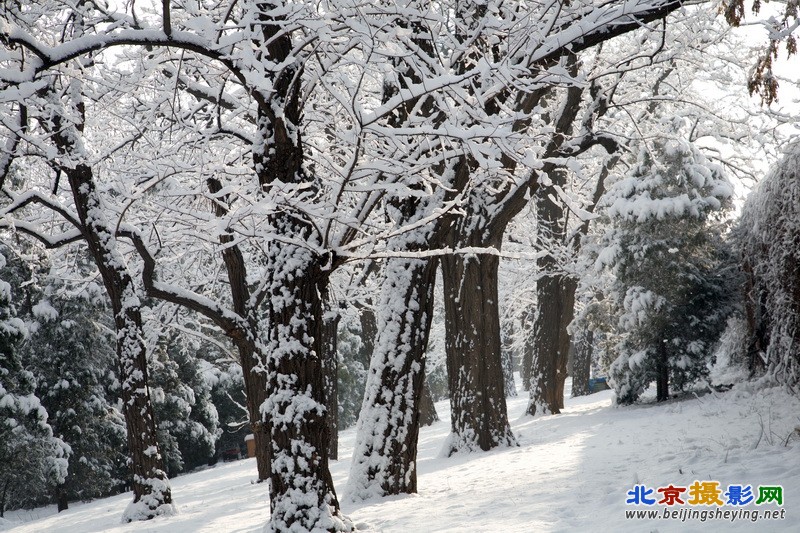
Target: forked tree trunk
(474, 363)
(384, 460)
(151, 491)
(302, 496)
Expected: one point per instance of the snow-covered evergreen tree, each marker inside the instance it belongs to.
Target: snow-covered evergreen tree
(69, 353)
(666, 253)
(352, 372)
(188, 423)
(32, 460)
(224, 376)
(72, 355)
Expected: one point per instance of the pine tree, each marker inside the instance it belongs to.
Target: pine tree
(188, 423)
(667, 255)
(227, 394)
(32, 460)
(352, 372)
(72, 353)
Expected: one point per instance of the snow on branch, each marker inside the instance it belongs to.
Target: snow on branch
(34, 197)
(234, 325)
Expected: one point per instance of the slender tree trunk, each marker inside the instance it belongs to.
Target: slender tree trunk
(61, 498)
(369, 331)
(662, 374)
(427, 409)
(151, 491)
(581, 369)
(3, 498)
(526, 366)
(252, 363)
(255, 391)
(330, 363)
(384, 460)
(474, 363)
(508, 369)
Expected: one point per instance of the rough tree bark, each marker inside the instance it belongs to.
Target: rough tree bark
(302, 496)
(474, 362)
(555, 290)
(555, 296)
(384, 461)
(582, 365)
(295, 406)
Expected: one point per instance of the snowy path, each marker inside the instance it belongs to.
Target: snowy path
(571, 472)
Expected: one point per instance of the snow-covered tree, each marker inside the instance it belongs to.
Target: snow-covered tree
(188, 422)
(769, 230)
(32, 460)
(71, 351)
(668, 258)
(259, 73)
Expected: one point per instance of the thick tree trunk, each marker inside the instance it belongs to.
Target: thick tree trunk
(567, 288)
(151, 491)
(555, 296)
(301, 489)
(302, 496)
(385, 457)
(582, 366)
(555, 290)
(474, 363)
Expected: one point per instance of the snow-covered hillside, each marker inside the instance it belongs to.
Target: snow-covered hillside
(571, 472)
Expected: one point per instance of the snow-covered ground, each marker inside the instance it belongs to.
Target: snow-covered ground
(571, 472)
